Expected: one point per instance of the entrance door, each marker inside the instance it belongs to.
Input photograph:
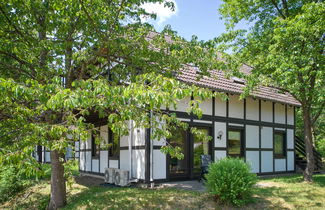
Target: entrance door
(192, 148)
(179, 168)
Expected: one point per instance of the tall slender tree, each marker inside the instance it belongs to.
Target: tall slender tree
(285, 46)
(62, 61)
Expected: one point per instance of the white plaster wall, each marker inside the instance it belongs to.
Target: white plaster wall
(235, 124)
(95, 166)
(76, 146)
(203, 121)
(88, 142)
(161, 141)
(280, 164)
(82, 144)
(220, 126)
(181, 105)
(220, 107)
(253, 158)
(290, 115)
(139, 136)
(290, 160)
(266, 137)
(252, 109)
(266, 111)
(219, 154)
(82, 161)
(138, 163)
(124, 141)
(252, 136)
(267, 161)
(290, 139)
(88, 161)
(47, 157)
(206, 106)
(114, 164)
(103, 160)
(279, 113)
(124, 160)
(159, 165)
(236, 107)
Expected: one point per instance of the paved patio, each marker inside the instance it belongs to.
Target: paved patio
(186, 185)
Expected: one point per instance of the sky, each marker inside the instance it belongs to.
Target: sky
(191, 17)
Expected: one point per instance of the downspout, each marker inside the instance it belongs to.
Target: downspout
(151, 151)
(130, 148)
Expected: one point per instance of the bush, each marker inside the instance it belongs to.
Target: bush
(231, 181)
(10, 182)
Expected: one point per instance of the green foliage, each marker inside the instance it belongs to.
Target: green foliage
(11, 182)
(231, 181)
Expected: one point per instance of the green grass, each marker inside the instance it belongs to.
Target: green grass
(276, 193)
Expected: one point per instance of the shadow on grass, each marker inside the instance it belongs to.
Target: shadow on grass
(137, 198)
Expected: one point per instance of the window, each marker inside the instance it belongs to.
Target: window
(113, 143)
(94, 146)
(234, 142)
(279, 144)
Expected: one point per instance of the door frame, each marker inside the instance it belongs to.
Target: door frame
(189, 152)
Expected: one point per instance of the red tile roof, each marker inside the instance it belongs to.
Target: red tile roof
(217, 81)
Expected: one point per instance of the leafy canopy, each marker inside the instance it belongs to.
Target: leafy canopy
(63, 62)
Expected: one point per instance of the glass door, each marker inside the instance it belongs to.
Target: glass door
(179, 168)
(200, 147)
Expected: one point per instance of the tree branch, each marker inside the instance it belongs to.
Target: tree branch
(278, 9)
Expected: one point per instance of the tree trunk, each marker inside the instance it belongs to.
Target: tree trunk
(58, 188)
(308, 138)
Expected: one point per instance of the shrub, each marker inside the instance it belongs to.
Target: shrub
(10, 182)
(231, 181)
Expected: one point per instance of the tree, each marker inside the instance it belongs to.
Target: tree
(285, 46)
(64, 61)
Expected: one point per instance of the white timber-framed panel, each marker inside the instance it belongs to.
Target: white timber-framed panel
(290, 160)
(88, 161)
(206, 106)
(290, 115)
(253, 158)
(103, 159)
(95, 165)
(279, 113)
(220, 107)
(138, 164)
(266, 161)
(236, 107)
(159, 165)
(219, 154)
(290, 139)
(252, 136)
(125, 161)
(139, 137)
(182, 105)
(220, 128)
(114, 164)
(266, 111)
(266, 137)
(280, 165)
(252, 109)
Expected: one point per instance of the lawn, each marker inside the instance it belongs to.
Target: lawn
(276, 193)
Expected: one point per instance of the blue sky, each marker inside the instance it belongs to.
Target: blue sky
(198, 17)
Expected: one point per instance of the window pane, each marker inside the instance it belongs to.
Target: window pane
(201, 147)
(234, 143)
(278, 144)
(113, 144)
(178, 167)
